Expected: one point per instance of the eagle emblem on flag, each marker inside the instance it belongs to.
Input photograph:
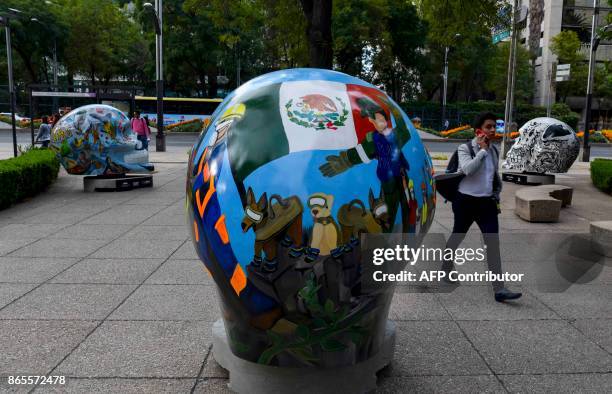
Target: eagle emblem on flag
(317, 111)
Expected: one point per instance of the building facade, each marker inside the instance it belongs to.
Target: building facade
(546, 19)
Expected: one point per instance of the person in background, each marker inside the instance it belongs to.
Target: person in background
(141, 128)
(54, 119)
(44, 132)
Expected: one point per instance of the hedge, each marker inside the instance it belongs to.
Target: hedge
(190, 126)
(601, 174)
(26, 175)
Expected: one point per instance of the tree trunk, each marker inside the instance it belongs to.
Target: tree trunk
(318, 30)
(212, 82)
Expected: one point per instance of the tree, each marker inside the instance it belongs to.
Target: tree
(496, 77)
(566, 46)
(319, 32)
(33, 41)
(473, 21)
(102, 41)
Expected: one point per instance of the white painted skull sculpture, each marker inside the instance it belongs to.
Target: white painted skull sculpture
(544, 145)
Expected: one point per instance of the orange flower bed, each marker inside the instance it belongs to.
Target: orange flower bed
(170, 127)
(455, 130)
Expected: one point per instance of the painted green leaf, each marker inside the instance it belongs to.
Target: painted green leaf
(303, 331)
(329, 307)
(332, 345)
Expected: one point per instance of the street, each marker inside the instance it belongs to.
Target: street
(187, 140)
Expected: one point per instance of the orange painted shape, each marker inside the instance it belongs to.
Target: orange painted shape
(206, 172)
(209, 193)
(238, 280)
(196, 232)
(222, 230)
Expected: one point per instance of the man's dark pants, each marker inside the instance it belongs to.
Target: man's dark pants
(482, 210)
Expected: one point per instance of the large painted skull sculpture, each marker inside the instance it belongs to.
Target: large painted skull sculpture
(98, 140)
(544, 145)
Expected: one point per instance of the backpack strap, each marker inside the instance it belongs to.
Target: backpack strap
(471, 149)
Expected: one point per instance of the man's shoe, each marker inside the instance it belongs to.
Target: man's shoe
(505, 295)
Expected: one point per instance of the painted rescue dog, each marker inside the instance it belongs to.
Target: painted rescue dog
(273, 224)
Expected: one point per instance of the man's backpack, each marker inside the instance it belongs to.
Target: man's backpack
(447, 184)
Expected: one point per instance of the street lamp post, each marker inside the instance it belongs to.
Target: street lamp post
(595, 39)
(160, 139)
(7, 28)
(445, 81)
(55, 65)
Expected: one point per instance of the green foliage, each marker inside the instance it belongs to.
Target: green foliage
(497, 73)
(463, 135)
(103, 42)
(326, 330)
(187, 127)
(598, 138)
(601, 174)
(26, 175)
(566, 45)
(563, 112)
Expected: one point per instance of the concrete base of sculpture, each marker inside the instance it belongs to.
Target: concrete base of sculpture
(116, 183)
(250, 377)
(601, 237)
(542, 203)
(528, 178)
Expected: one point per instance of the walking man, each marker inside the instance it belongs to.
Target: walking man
(478, 199)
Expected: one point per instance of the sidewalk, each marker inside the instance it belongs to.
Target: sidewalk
(106, 289)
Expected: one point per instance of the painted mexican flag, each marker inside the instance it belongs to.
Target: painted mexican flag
(299, 116)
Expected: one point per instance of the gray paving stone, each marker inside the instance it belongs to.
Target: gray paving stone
(477, 303)
(60, 248)
(158, 197)
(187, 272)
(125, 214)
(440, 384)
(110, 271)
(170, 302)
(143, 249)
(174, 215)
(61, 301)
(535, 346)
(136, 349)
(186, 251)
(27, 231)
(597, 330)
(6, 388)
(12, 291)
(580, 301)
(58, 217)
(90, 231)
(212, 385)
(414, 306)
(34, 347)
(158, 232)
(124, 386)
(558, 383)
(434, 348)
(9, 245)
(32, 270)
